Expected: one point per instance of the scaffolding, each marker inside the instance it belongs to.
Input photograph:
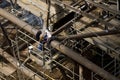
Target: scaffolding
(73, 49)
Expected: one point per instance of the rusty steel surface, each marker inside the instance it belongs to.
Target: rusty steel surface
(70, 53)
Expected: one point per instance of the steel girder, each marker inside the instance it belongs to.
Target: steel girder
(66, 51)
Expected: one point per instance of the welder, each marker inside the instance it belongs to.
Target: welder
(42, 38)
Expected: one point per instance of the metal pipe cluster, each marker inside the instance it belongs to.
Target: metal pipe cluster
(55, 44)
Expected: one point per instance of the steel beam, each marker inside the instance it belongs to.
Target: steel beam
(66, 51)
(92, 34)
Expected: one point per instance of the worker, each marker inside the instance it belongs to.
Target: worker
(42, 38)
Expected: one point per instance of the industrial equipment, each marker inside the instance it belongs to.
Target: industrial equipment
(59, 40)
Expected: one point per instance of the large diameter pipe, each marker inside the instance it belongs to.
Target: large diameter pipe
(92, 34)
(75, 56)
(18, 22)
(85, 62)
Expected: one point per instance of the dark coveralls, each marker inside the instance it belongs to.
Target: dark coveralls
(42, 41)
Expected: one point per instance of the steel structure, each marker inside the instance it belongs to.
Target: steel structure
(78, 41)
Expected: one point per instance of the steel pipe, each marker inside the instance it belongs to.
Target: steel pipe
(81, 60)
(88, 35)
(66, 51)
(60, 3)
(66, 25)
(18, 22)
(103, 7)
